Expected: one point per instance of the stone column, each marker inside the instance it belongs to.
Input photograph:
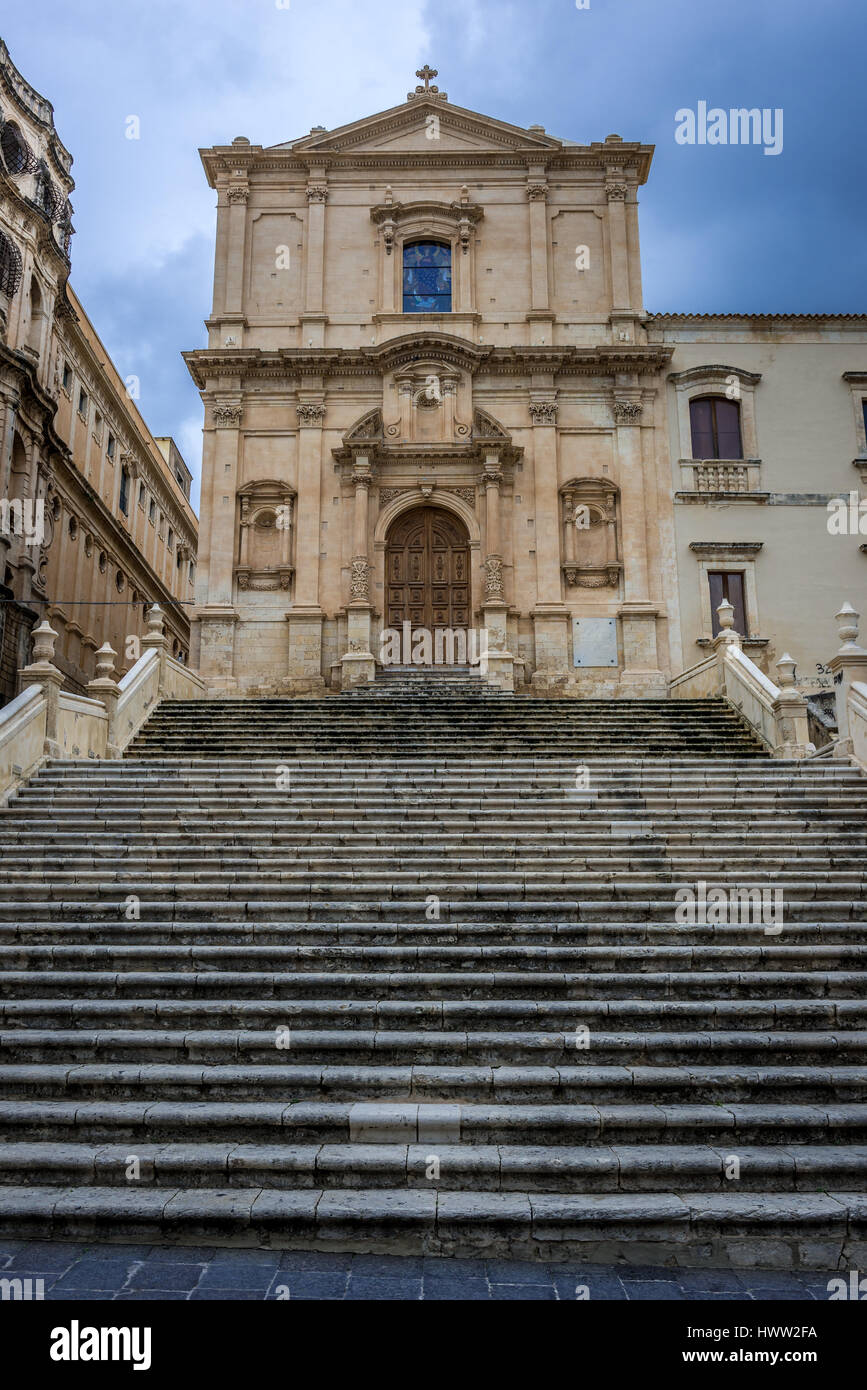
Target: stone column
(849, 664)
(359, 663)
(217, 616)
(498, 663)
(550, 617)
(404, 392)
(616, 190)
(540, 315)
(313, 318)
(640, 676)
(236, 197)
(305, 616)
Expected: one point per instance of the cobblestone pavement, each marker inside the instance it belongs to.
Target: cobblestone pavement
(128, 1272)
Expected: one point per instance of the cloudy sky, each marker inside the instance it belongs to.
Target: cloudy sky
(723, 228)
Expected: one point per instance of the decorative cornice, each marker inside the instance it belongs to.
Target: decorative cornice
(284, 365)
(710, 319)
(731, 549)
(714, 371)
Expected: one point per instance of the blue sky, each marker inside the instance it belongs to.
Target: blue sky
(724, 229)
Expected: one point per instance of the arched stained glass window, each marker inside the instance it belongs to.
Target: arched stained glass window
(427, 278)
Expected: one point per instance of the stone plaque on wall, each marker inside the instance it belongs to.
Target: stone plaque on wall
(594, 641)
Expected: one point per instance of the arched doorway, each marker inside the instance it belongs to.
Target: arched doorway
(427, 567)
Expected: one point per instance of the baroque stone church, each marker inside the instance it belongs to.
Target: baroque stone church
(434, 400)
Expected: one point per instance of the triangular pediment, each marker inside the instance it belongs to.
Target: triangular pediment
(409, 126)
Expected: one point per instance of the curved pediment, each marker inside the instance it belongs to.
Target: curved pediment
(369, 427)
(411, 349)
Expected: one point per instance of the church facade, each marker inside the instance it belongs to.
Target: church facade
(435, 404)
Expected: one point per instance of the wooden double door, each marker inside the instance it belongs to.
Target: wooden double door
(428, 571)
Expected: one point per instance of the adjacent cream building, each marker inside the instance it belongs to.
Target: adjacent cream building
(433, 396)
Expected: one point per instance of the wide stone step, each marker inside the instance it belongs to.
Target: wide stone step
(417, 999)
(531, 1080)
(388, 1122)
(292, 985)
(476, 1168)
(789, 1229)
(608, 934)
(147, 950)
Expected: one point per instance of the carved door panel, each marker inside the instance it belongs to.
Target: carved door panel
(428, 571)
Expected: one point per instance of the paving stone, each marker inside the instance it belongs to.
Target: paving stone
(382, 1288)
(154, 1274)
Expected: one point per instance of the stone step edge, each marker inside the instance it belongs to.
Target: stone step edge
(777, 1230)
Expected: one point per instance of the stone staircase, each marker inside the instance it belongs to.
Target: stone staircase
(405, 973)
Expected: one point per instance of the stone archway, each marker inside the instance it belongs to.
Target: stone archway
(427, 571)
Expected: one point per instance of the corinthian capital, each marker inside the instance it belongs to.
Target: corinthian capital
(537, 190)
(310, 413)
(628, 412)
(616, 192)
(317, 193)
(543, 412)
(227, 416)
(237, 193)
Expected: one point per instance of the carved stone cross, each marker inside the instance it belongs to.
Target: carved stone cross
(427, 72)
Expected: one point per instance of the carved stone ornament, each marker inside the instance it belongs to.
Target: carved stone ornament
(537, 190)
(359, 587)
(493, 577)
(227, 416)
(264, 581)
(237, 193)
(388, 494)
(467, 494)
(592, 577)
(317, 193)
(310, 413)
(627, 412)
(543, 412)
(616, 192)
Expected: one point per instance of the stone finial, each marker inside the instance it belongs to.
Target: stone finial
(786, 668)
(726, 615)
(105, 661)
(847, 626)
(156, 621)
(44, 638)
